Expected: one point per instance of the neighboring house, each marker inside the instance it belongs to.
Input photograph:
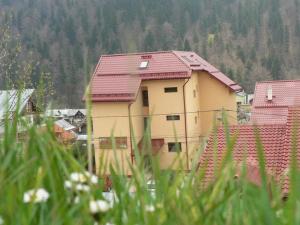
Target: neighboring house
(277, 141)
(76, 117)
(244, 99)
(275, 115)
(65, 132)
(272, 100)
(181, 93)
(9, 100)
(244, 102)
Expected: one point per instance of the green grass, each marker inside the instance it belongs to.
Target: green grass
(180, 198)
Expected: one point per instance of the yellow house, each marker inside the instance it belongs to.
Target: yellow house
(181, 93)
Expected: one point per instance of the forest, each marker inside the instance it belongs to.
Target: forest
(247, 40)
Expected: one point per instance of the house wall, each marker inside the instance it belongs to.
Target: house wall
(194, 121)
(162, 104)
(213, 95)
(112, 119)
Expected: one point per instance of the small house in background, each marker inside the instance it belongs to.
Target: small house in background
(272, 100)
(175, 96)
(23, 101)
(244, 102)
(65, 132)
(76, 117)
(275, 118)
(277, 141)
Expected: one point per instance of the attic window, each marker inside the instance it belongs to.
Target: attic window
(144, 64)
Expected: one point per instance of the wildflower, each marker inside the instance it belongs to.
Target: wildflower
(78, 177)
(99, 206)
(83, 178)
(93, 179)
(82, 187)
(68, 184)
(150, 208)
(36, 195)
(1, 221)
(76, 200)
(109, 197)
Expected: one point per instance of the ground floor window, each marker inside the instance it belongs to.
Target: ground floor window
(108, 142)
(174, 147)
(173, 117)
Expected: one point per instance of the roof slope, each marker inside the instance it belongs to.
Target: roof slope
(9, 101)
(291, 144)
(277, 141)
(272, 137)
(118, 77)
(286, 93)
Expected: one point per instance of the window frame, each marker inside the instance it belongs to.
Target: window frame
(174, 147)
(171, 89)
(107, 142)
(145, 98)
(173, 117)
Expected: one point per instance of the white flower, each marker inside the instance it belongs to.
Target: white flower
(82, 187)
(1, 221)
(92, 178)
(109, 197)
(78, 177)
(99, 206)
(68, 184)
(36, 195)
(76, 200)
(83, 178)
(150, 208)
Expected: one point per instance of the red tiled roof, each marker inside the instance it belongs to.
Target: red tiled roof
(292, 133)
(286, 93)
(277, 144)
(115, 87)
(272, 137)
(269, 115)
(161, 65)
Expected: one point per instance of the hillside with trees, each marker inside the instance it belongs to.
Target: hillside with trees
(248, 40)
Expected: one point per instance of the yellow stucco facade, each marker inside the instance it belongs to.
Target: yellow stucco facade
(185, 116)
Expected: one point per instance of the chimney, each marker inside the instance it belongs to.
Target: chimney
(270, 93)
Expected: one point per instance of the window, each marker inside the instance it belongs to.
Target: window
(173, 117)
(107, 142)
(174, 147)
(196, 119)
(146, 123)
(194, 93)
(144, 64)
(145, 98)
(170, 89)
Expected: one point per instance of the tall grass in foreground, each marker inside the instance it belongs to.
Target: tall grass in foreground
(178, 198)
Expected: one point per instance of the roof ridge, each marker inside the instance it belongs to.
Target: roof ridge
(276, 81)
(135, 53)
(181, 60)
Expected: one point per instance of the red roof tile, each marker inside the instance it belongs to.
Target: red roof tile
(115, 87)
(277, 142)
(272, 137)
(286, 93)
(161, 65)
(292, 133)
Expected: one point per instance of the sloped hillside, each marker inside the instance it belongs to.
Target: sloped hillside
(248, 40)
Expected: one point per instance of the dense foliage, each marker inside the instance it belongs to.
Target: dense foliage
(39, 186)
(248, 40)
